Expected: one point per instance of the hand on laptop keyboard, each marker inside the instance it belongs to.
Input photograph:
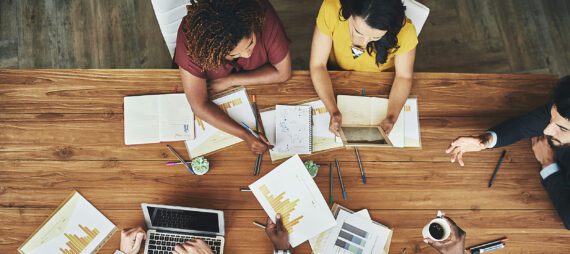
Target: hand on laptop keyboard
(131, 240)
(192, 247)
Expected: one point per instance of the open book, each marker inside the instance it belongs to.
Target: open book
(361, 118)
(158, 118)
(209, 139)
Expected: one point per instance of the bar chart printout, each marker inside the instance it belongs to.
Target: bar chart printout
(352, 239)
(77, 227)
(292, 192)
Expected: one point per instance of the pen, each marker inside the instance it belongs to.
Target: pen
(497, 168)
(488, 249)
(258, 224)
(340, 180)
(330, 184)
(259, 156)
(501, 240)
(360, 165)
(174, 163)
(180, 159)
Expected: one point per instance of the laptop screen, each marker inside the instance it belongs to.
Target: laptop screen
(183, 219)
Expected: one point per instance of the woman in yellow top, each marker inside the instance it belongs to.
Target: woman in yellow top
(364, 35)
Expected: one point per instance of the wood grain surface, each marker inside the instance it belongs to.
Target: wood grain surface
(63, 130)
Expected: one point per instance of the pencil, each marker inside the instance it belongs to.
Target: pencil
(497, 168)
(174, 163)
(344, 196)
(330, 184)
(180, 159)
(360, 165)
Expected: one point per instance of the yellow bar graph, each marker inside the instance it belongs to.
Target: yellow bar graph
(224, 107)
(76, 243)
(283, 206)
(321, 110)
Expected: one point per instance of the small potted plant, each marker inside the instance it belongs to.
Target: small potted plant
(200, 165)
(312, 167)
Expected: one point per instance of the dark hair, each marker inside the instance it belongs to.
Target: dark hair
(387, 15)
(562, 97)
(213, 28)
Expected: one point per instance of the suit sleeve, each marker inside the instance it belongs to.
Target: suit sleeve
(526, 126)
(558, 189)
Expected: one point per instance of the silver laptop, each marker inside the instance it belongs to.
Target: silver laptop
(169, 225)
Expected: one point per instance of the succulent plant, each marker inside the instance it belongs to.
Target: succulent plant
(200, 165)
(312, 167)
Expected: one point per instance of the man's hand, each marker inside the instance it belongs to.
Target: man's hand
(461, 145)
(387, 124)
(192, 247)
(218, 85)
(277, 233)
(335, 123)
(257, 146)
(455, 244)
(131, 240)
(543, 151)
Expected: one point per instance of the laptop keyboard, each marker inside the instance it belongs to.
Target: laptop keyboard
(161, 243)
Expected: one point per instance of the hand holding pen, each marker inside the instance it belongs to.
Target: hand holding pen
(258, 144)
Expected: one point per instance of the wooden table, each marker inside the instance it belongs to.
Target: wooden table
(63, 129)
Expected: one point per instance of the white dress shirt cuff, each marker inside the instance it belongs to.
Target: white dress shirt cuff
(549, 170)
(118, 252)
(282, 252)
(494, 141)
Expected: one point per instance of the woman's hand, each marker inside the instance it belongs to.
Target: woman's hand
(335, 123)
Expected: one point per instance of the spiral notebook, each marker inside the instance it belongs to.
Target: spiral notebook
(293, 129)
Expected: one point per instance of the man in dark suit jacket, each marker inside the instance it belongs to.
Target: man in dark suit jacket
(549, 129)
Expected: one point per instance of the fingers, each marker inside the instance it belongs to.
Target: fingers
(138, 241)
(279, 223)
(460, 158)
(270, 225)
(264, 139)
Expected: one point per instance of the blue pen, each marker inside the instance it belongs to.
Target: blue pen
(180, 159)
(490, 248)
(344, 196)
(360, 165)
(250, 130)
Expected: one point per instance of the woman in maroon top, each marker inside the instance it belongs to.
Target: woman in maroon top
(226, 43)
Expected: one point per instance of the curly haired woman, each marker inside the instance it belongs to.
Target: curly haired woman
(226, 43)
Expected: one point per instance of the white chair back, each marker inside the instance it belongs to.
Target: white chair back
(417, 12)
(169, 14)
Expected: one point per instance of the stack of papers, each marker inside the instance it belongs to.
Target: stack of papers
(354, 233)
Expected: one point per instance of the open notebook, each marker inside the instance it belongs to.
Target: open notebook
(293, 129)
(321, 139)
(362, 114)
(157, 118)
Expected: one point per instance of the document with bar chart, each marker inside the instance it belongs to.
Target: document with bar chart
(290, 191)
(76, 227)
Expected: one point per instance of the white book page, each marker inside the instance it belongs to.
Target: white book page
(293, 129)
(412, 126)
(141, 119)
(396, 135)
(176, 118)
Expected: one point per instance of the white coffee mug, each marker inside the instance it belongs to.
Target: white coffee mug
(443, 223)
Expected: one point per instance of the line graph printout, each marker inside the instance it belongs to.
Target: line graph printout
(293, 129)
(76, 227)
(290, 191)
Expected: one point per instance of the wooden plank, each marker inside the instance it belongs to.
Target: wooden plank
(481, 226)
(73, 91)
(99, 137)
(83, 27)
(517, 187)
(153, 52)
(9, 27)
